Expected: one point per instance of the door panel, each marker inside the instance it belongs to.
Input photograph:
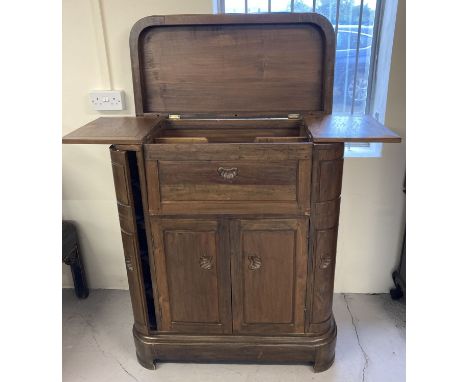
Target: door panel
(269, 270)
(192, 266)
(263, 261)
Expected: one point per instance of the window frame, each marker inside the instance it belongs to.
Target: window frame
(359, 149)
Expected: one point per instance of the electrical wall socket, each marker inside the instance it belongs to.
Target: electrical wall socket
(107, 99)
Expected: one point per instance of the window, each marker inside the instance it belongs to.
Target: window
(356, 24)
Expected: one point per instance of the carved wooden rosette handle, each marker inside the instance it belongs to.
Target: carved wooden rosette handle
(206, 262)
(228, 173)
(255, 263)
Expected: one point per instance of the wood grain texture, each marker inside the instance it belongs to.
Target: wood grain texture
(327, 168)
(233, 64)
(319, 349)
(228, 151)
(202, 181)
(348, 128)
(266, 178)
(193, 296)
(113, 130)
(122, 181)
(240, 209)
(268, 271)
(241, 130)
(231, 208)
(149, 237)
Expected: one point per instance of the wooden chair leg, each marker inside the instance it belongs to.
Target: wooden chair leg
(78, 273)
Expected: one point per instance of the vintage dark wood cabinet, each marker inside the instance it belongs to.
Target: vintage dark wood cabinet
(228, 183)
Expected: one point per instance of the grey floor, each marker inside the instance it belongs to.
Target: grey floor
(98, 345)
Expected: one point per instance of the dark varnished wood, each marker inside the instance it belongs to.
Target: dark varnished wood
(209, 180)
(348, 128)
(192, 274)
(126, 208)
(228, 151)
(266, 178)
(318, 350)
(233, 64)
(238, 205)
(268, 270)
(113, 130)
(327, 171)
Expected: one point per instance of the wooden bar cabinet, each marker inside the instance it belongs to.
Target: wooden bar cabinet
(228, 183)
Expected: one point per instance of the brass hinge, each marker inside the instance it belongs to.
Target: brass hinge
(294, 116)
(174, 116)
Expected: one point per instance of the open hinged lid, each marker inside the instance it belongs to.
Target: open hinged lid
(236, 65)
(233, 65)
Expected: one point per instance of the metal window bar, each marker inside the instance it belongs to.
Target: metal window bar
(377, 30)
(357, 56)
(337, 17)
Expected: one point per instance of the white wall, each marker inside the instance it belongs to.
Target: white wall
(372, 201)
(372, 206)
(88, 191)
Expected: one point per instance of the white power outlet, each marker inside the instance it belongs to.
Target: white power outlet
(107, 99)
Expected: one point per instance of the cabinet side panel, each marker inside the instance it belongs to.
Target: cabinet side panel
(327, 169)
(122, 182)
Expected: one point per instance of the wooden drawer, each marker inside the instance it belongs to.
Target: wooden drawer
(228, 181)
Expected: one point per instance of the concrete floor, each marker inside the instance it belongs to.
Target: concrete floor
(98, 345)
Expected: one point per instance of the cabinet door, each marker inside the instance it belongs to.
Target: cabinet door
(269, 271)
(192, 275)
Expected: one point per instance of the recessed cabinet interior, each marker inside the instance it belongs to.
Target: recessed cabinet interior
(228, 186)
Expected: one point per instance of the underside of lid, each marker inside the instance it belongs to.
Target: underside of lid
(233, 65)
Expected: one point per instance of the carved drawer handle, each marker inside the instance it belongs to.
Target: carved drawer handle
(128, 263)
(228, 173)
(255, 263)
(206, 262)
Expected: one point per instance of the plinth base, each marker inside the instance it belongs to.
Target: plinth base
(318, 350)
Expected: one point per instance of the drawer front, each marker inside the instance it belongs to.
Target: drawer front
(228, 181)
(228, 178)
(181, 187)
